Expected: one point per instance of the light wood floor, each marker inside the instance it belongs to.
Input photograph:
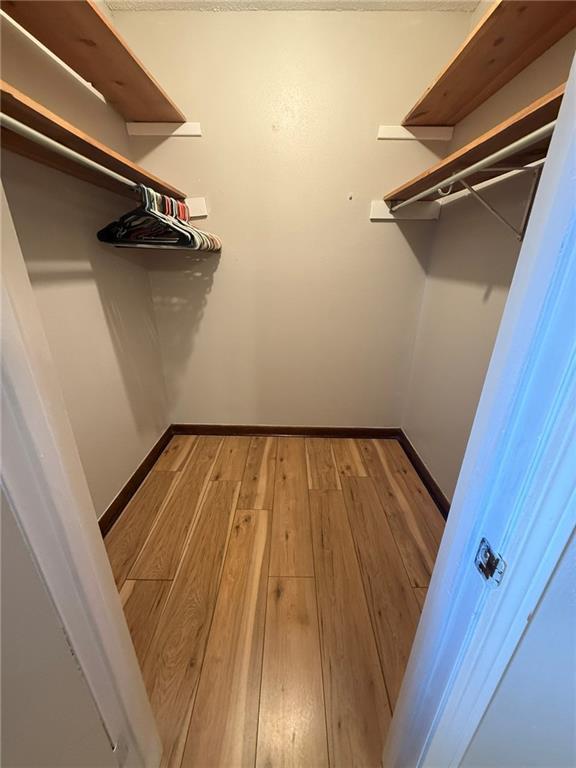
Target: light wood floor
(272, 586)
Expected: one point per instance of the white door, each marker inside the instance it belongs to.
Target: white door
(517, 488)
(49, 717)
(44, 482)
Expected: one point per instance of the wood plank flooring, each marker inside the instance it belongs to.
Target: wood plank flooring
(292, 726)
(272, 587)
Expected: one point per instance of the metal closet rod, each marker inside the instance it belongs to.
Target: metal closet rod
(30, 133)
(502, 154)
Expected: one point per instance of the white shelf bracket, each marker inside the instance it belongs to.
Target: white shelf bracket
(415, 132)
(164, 129)
(426, 211)
(197, 207)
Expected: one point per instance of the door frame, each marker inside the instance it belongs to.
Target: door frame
(468, 631)
(516, 487)
(46, 486)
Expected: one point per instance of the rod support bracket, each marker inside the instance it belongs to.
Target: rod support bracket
(518, 232)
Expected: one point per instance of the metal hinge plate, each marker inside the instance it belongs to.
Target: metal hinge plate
(490, 565)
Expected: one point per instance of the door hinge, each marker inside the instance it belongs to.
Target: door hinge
(490, 565)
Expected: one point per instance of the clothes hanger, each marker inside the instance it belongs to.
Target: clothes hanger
(179, 210)
(159, 222)
(139, 229)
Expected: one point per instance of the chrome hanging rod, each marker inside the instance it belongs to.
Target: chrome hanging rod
(12, 124)
(496, 157)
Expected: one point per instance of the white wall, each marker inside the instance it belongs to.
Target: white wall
(469, 273)
(309, 315)
(470, 270)
(97, 312)
(38, 670)
(530, 720)
(95, 301)
(312, 313)
(480, 11)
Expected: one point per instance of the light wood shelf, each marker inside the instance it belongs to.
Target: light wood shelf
(80, 35)
(18, 106)
(536, 115)
(508, 38)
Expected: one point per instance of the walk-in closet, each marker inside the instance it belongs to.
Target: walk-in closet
(258, 258)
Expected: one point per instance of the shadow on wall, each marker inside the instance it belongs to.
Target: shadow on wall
(471, 267)
(420, 237)
(95, 299)
(472, 246)
(130, 321)
(180, 304)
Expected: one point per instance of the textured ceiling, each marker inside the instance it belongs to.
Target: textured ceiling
(292, 5)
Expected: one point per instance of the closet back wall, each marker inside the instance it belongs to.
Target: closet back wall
(95, 301)
(310, 314)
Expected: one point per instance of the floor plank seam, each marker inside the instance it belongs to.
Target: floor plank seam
(161, 508)
(199, 505)
(366, 598)
(397, 494)
(261, 676)
(271, 523)
(184, 550)
(286, 576)
(191, 453)
(394, 538)
(338, 478)
(216, 596)
(154, 522)
(319, 638)
(243, 472)
(427, 492)
(207, 484)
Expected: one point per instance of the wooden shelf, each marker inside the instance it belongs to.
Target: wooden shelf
(15, 104)
(80, 35)
(536, 115)
(510, 36)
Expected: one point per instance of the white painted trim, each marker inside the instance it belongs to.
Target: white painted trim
(164, 129)
(44, 480)
(427, 211)
(197, 207)
(415, 132)
(516, 487)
